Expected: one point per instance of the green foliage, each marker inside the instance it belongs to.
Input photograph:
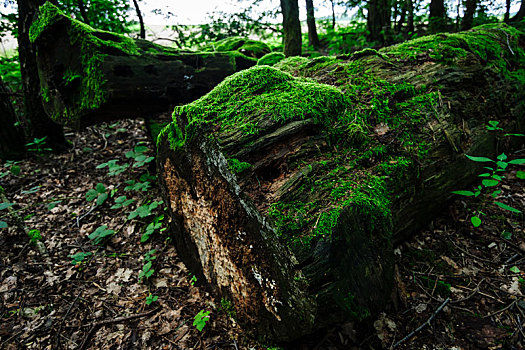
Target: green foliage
(515, 269)
(101, 234)
(121, 202)
(99, 193)
(200, 320)
(113, 167)
(137, 186)
(38, 146)
(248, 47)
(151, 228)
(138, 155)
(228, 308)
(10, 73)
(34, 236)
(78, 258)
(12, 168)
(237, 166)
(144, 210)
(151, 299)
(147, 269)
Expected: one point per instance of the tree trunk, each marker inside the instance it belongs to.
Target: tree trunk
(437, 18)
(40, 125)
(468, 17)
(88, 76)
(291, 28)
(142, 34)
(313, 38)
(12, 145)
(286, 195)
(378, 21)
(521, 13)
(410, 19)
(507, 11)
(333, 13)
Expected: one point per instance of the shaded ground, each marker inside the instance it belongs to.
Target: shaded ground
(59, 298)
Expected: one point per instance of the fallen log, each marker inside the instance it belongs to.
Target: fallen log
(89, 76)
(287, 191)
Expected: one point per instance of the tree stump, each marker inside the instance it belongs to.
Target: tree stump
(288, 186)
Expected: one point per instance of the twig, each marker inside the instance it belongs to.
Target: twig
(500, 311)
(65, 317)
(235, 344)
(411, 334)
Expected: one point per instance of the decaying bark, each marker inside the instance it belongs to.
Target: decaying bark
(88, 76)
(287, 194)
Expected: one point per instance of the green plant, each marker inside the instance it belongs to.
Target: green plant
(78, 258)
(193, 280)
(144, 210)
(121, 202)
(12, 169)
(150, 229)
(228, 308)
(53, 204)
(138, 155)
(200, 320)
(493, 126)
(99, 193)
(514, 269)
(137, 186)
(4, 206)
(147, 269)
(38, 146)
(34, 236)
(101, 234)
(151, 299)
(113, 167)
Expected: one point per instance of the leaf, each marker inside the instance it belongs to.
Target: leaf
(464, 193)
(91, 195)
(479, 159)
(506, 235)
(502, 156)
(101, 198)
(520, 174)
(100, 188)
(514, 269)
(519, 135)
(502, 165)
(6, 205)
(517, 161)
(490, 183)
(53, 204)
(506, 207)
(3, 224)
(476, 221)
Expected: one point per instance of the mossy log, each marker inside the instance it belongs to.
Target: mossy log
(88, 76)
(288, 185)
(12, 139)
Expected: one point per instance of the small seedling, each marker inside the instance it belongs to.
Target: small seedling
(138, 155)
(100, 234)
(193, 280)
(99, 193)
(493, 126)
(122, 201)
(514, 269)
(38, 146)
(200, 319)
(12, 169)
(151, 228)
(144, 210)
(53, 204)
(147, 270)
(137, 186)
(34, 236)
(113, 167)
(78, 258)
(151, 299)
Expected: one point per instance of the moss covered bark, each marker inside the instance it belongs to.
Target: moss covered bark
(89, 75)
(340, 157)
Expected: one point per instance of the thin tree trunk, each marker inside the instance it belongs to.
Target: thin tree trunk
(313, 38)
(379, 21)
(333, 14)
(12, 140)
(291, 27)
(468, 17)
(437, 16)
(141, 20)
(507, 11)
(39, 122)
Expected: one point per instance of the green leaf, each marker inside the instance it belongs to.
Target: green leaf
(519, 135)
(506, 207)
(100, 188)
(520, 174)
(479, 159)
(476, 221)
(91, 195)
(200, 319)
(502, 156)
(490, 183)
(3, 224)
(502, 165)
(6, 205)
(464, 193)
(79, 257)
(100, 233)
(517, 161)
(514, 269)
(506, 235)
(101, 198)
(15, 170)
(53, 204)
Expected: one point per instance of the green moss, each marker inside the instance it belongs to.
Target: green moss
(271, 58)
(236, 166)
(290, 64)
(48, 15)
(247, 47)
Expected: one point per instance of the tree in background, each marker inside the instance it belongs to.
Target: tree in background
(468, 17)
(40, 125)
(291, 27)
(313, 38)
(110, 15)
(379, 21)
(437, 17)
(520, 14)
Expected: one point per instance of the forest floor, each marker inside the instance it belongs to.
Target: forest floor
(66, 291)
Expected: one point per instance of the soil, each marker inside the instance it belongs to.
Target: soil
(464, 284)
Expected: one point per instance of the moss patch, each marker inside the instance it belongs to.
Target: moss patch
(248, 47)
(271, 58)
